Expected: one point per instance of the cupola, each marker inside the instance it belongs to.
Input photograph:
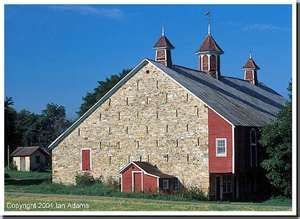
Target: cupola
(250, 71)
(209, 54)
(163, 49)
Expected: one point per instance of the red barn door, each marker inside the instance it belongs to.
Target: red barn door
(137, 182)
(86, 160)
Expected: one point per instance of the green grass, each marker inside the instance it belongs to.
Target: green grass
(43, 202)
(23, 175)
(97, 189)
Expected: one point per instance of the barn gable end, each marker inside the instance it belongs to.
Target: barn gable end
(148, 117)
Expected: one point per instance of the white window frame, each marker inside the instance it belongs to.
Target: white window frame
(90, 159)
(225, 153)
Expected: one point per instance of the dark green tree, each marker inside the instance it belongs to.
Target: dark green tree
(277, 141)
(11, 137)
(103, 87)
(52, 122)
(26, 125)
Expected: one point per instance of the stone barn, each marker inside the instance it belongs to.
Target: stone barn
(197, 125)
(33, 158)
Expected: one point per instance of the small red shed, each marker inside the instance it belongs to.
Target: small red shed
(138, 176)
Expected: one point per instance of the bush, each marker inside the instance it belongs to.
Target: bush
(12, 166)
(85, 179)
(113, 183)
(193, 193)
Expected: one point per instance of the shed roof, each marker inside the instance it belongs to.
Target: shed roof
(238, 101)
(27, 151)
(148, 168)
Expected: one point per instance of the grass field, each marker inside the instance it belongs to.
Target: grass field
(22, 175)
(44, 202)
(33, 191)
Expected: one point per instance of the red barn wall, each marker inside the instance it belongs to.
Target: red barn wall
(150, 184)
(219, 128)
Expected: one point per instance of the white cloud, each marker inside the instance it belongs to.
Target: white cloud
(113, 13)
(264, 27)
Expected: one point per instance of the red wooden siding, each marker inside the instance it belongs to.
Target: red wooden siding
(86, 160)
(150, 184)
(133, 180)
(219, 128)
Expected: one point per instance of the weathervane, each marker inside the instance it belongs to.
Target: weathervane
(208, 14)
(163, 30)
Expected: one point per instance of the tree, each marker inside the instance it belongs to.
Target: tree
(52, 122)
(26, 125)
(277, 141)
(103, 87)
(11, 137)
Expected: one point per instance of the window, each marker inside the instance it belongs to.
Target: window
(253, 136)
(212, 62)
(85, 159)
(165, 183)
(253, 148)
(37, 159)
(205, 63)
(221, 147)
(176, 184)
(227, 183)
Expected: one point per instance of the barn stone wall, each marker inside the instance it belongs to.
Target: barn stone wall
(150, 118)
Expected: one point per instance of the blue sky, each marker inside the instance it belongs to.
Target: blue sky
(58, 53)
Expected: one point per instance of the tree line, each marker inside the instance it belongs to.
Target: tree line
(25, 128)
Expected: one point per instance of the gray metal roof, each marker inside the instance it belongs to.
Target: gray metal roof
(240, 102)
